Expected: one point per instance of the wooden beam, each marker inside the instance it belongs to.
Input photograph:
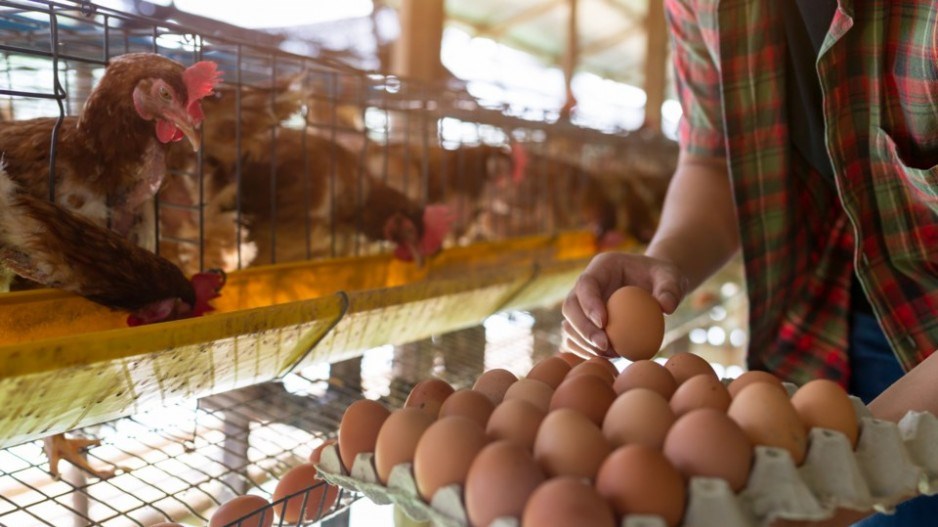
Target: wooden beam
(602, 44)
(536, 11)
(655, 67)
(571, 57)
(417, 52)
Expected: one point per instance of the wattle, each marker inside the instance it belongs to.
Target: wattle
(167, 132)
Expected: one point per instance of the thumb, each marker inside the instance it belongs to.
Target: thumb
(668, 287)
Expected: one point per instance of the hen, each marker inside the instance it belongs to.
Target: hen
(80, 229)
(305, 165)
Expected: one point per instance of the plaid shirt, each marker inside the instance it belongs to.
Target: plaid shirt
(801, 238)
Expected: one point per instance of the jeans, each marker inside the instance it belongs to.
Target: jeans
(873, 368)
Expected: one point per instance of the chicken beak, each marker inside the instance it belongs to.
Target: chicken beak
(183, 121)
(416, 254)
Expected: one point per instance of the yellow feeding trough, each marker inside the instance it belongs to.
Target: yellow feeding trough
(67, 363)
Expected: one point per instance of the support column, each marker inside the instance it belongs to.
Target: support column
(655, 63)
(417, 52)
(570, 59)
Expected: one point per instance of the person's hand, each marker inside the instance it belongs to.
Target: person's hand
(585, 307)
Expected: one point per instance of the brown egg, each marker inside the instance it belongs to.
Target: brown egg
(550, 371)
(359, 428)
(685, 365)
(638, 416)
(637, 479)
(532, 391)
(233, 510)
(293, 487)
(494, 383)
(768, 418)
(750, 377)
(636, 323)
(700, 391)
(567, 502)
(468, 403)
(569, 444)
(592, 368)
(587, 394)
(445, 452)
(607, 364)
(500, 480)
(428, 395)
(516, 420)
(317, 452)
(398, 439)
(570, 358)
(824, 404)
(708, 443)
(646, 374)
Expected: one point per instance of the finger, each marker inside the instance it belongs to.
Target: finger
(577, 323)
(573, 345)
(589, 294)
(571, 336)
(668, 288)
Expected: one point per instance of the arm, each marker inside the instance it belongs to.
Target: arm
(916, 390)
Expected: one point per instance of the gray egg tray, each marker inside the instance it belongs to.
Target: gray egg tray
(891, 463)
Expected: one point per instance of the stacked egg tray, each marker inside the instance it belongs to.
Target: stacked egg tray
(891, 464)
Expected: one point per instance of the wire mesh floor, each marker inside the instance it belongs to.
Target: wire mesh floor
(180, 462)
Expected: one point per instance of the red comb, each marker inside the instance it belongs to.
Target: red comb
(437, 221)
(207, 287)
(200, 79)
(519, 160)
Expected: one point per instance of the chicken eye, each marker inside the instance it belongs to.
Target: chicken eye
(164, 94)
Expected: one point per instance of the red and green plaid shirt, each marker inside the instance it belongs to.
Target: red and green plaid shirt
(801, 238)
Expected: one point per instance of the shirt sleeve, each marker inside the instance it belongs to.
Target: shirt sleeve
(693, 39)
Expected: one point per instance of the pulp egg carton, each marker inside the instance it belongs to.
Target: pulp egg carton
(892, 463)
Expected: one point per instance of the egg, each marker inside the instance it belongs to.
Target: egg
(569, 444)
(706, 442)
(587, 394)
(767, 416)
(638, 416)
(700, 391)
(468, 403)
(532, 391)
(550, 371)
(567, 502)
(445, 452)
(646, 374)
(516, 420)
(428, 395)
(637, 479)
(317, 452)
(824, 404)
(750, 377)
(500, 480)
(592, 368)
(233, 510)
(397, 439)
(685, 365)
(494, 383)
(293, 487)
(358, 430)
(570, 358)
(635, 323)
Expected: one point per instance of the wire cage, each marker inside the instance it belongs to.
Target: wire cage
(298, 153)
(300, 159)
(178, 463)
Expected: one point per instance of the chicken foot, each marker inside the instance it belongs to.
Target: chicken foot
(59, 447)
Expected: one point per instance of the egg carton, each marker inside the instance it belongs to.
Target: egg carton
(891, 463)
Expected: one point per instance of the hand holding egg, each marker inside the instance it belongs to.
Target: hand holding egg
(585, 307)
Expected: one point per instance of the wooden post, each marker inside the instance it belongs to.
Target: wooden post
(417, 52)
(570, 60)
(655, 59)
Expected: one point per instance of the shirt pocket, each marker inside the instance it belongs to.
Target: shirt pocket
(921, 183)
